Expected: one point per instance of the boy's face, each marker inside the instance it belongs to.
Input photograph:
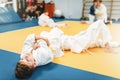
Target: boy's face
(46, 13)
(95, 3)
(28, 60)
(98, 3)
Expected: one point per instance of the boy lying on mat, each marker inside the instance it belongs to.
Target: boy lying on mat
(34, 53)
(36, 50)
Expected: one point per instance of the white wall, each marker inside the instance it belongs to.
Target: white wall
(70, 8)
(4, 2)
(15, 5)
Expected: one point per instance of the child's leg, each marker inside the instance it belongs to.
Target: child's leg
(60, 25)
(105, 39)
(99, 29)
(105, 33)
(51, 23)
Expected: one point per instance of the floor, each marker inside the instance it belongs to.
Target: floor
(101, 61)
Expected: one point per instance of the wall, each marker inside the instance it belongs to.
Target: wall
(3, 3)
(15, 5)
(70, 8)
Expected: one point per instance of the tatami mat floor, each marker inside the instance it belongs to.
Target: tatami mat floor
(101, 62)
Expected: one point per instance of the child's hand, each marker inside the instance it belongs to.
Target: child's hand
(35, 46)
(37, 37)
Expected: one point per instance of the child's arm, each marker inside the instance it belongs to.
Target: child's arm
(28, 44)
(43, 38)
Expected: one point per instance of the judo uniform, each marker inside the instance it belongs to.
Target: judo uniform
(44, 20)
(81, 41)
(92, 14)
(42, 55)
(54, 37)
(101, 13)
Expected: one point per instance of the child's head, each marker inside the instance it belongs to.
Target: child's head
(23, 70)
(98, 2)
(94, 3)
(46, 12)
(25, 66)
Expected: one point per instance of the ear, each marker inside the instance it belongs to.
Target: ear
(15, 72)
(34, 65)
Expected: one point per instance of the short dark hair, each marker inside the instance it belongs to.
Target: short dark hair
(23, 71)
(97, 0)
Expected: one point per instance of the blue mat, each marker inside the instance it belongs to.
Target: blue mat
(8, 15)
(51, 71)
(19, 25)
(10, 20)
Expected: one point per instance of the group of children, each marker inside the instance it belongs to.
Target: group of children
(41, 49)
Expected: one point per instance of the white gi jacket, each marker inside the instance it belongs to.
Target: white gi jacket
(101, 12)
(54, 37)
(44, 20)
(42, 55)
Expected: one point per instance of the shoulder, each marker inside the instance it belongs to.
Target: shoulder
(102, 5)
(92, 7)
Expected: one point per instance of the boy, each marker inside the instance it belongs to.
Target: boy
(101, 11)
(92, 12)
(34, 53)
(45, 20)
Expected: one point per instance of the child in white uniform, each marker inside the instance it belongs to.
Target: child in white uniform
(92, 15)
(89, 38)
(35, 53)
(101, 11)
(45, 20)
